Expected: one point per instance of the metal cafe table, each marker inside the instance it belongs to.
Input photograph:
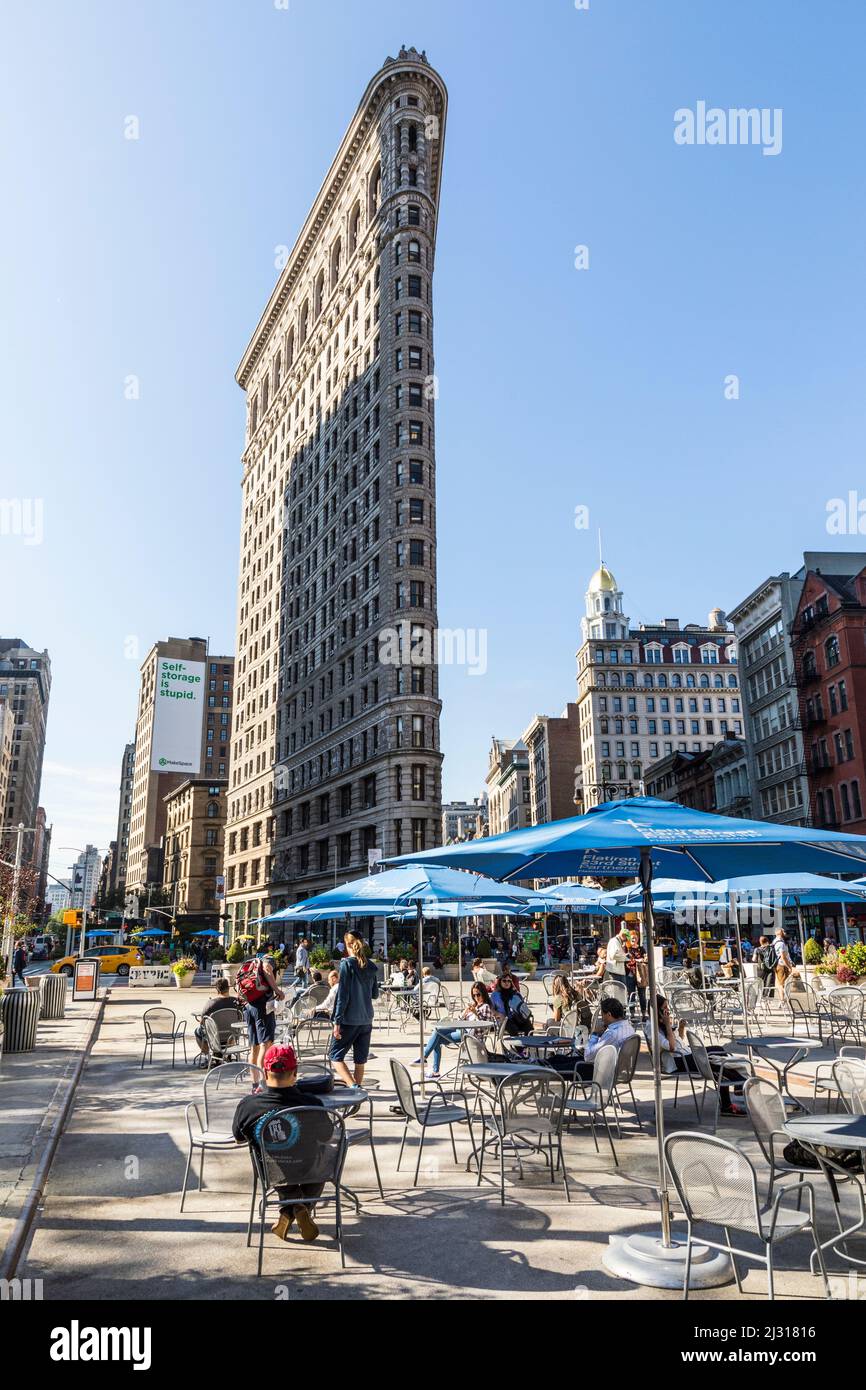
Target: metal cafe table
(771, 1043)
(351, 1098)
(815, 1132)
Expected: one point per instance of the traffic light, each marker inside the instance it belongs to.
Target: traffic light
(73, 917)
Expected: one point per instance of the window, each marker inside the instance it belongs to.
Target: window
(831, 651)
(419, 782)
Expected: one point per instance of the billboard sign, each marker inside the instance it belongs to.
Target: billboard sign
(177, 716)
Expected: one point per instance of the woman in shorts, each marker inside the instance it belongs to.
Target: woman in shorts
(358, 986)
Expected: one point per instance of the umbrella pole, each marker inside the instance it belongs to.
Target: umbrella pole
(802, 931)
(420, 951)
(571, 941)
(654, 1258)
(646, 874)
(734, 911)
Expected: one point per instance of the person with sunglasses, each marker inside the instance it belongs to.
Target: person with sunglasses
(479, 1010)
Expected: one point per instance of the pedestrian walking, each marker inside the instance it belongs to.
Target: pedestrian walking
(353, 1011)
(19, 960)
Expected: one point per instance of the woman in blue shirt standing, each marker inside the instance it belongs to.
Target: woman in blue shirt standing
(358, 986)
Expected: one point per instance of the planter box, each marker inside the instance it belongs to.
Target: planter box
(184, 981)
(450, 972)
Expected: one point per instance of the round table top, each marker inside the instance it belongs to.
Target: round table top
(540, 1040)
(836, 1131)
(774, 1041)
(344, 1097)
(482, 1069)
(463, 1025)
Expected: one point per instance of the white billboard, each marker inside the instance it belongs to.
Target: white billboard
(177, 716)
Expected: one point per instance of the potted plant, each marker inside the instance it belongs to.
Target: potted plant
(184, 972)
(320, 958)
(451, 961)
(526, 961)
(234, 961)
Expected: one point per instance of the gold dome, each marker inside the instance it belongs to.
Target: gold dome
(602, 581)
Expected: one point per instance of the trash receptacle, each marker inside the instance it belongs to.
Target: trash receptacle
(20, 1017)
(53, 991)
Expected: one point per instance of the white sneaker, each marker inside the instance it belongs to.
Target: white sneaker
(431, 1075)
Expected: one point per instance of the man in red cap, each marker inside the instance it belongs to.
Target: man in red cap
(280, 1092)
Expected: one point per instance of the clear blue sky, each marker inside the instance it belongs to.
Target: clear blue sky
(558, 387)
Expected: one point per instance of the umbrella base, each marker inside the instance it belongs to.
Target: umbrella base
(643, 1259)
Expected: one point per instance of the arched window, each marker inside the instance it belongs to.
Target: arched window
(705, 682)
(663, 681)
(336, 262)
(354, 228)
(319, 293)
(290, 348)
(278, 371)
(213, 809)
(831, 651)
(415, 252)
(690, 682)
(629, 680)
(718, 682)
(676, 680)
(732, 680)
(304, 322)
(374, 192)
(647, 679)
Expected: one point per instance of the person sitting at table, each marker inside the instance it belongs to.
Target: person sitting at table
(600, 962)
(563, 997)
(410, 974)
(326, 1008)
(480, 1009)
(223, 999)
(612, 1029)
(281, 1092)
(676, 1055)
(481, 973)
(507, 999)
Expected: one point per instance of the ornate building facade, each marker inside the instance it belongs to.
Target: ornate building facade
(647, 693)
(335, 756)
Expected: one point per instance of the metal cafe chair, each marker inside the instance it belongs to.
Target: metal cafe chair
(717, 1185)
(525, 1117)
(825, 1079)
(161, 1026)
(300, 1147)
(596, 1096)
(209, 1124)
(434, 1112)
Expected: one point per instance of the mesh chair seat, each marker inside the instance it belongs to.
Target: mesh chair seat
(213, 1137)
(445, 1115)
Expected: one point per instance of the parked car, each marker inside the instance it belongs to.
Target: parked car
(43, 945)
(113, 960)
(711, 950)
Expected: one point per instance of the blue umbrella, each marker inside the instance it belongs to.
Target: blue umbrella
(754, 890)
(413, 888)
(208, 931)
(100, 931)
(152, 931)
(644, 836)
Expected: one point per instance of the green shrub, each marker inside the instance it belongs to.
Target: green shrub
(184, 966)
(812, 952)
(235, 953)
(451, 953)
(485, 950)
(853, 958)
(320, 956)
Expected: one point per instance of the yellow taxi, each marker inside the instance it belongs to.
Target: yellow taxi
(113, 960)
(711, 950)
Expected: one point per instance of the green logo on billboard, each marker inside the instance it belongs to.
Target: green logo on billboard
(162, 762)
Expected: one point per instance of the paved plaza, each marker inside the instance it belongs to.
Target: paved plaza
(109, 1226)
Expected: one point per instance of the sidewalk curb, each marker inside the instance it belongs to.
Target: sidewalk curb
(21, 1230)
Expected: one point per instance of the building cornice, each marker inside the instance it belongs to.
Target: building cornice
(368, 109)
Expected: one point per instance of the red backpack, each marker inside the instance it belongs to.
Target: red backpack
(251, 984)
